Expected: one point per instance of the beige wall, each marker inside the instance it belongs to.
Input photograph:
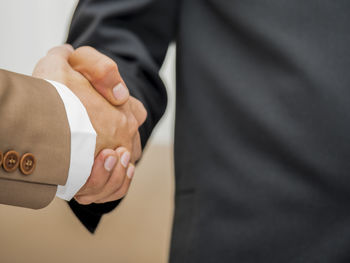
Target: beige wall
(139, 230)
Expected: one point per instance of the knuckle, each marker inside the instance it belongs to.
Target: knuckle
(108, 65)
(133, 125)
(142, 112)
(105, 68)
(117, 181)
(94, 184)
(123, 122)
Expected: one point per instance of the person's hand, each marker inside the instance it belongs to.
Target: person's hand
(106, 185)
(103, 74)
(110, 178)
(114, 126)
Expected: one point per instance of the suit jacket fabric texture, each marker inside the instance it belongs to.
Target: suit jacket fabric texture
(33, 120)
(262, 136)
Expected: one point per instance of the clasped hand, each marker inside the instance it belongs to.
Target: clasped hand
(115, 115)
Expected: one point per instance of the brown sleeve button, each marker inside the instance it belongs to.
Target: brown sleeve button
(27, 163)
(1, 156)
(10, 161)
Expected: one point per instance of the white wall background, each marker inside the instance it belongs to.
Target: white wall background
(28, 28)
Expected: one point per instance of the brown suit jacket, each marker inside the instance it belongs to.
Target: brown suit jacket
(32, 120)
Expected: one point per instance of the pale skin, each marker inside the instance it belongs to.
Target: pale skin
(116, 117)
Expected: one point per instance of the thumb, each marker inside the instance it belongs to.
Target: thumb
(102, 72)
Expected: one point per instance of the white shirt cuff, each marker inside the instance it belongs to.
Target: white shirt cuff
(83, 143)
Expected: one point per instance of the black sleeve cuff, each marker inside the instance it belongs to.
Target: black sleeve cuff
(90, 215)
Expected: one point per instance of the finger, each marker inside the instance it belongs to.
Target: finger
(114, 182)
(138, 110)
(102, 72)
(101, 171)
(120, 193)
(136, 149)
(63, 51)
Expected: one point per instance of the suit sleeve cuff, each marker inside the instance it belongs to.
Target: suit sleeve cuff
(83, 143)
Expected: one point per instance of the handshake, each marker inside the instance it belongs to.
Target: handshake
(114, 114)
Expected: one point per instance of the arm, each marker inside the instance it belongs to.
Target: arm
(136, 35)
(31, 124)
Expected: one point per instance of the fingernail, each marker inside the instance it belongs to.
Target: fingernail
(130, 172)
(120, 91)
(125, 159)
(110, 162)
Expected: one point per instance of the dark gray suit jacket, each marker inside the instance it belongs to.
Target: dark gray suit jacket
(262, 143)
